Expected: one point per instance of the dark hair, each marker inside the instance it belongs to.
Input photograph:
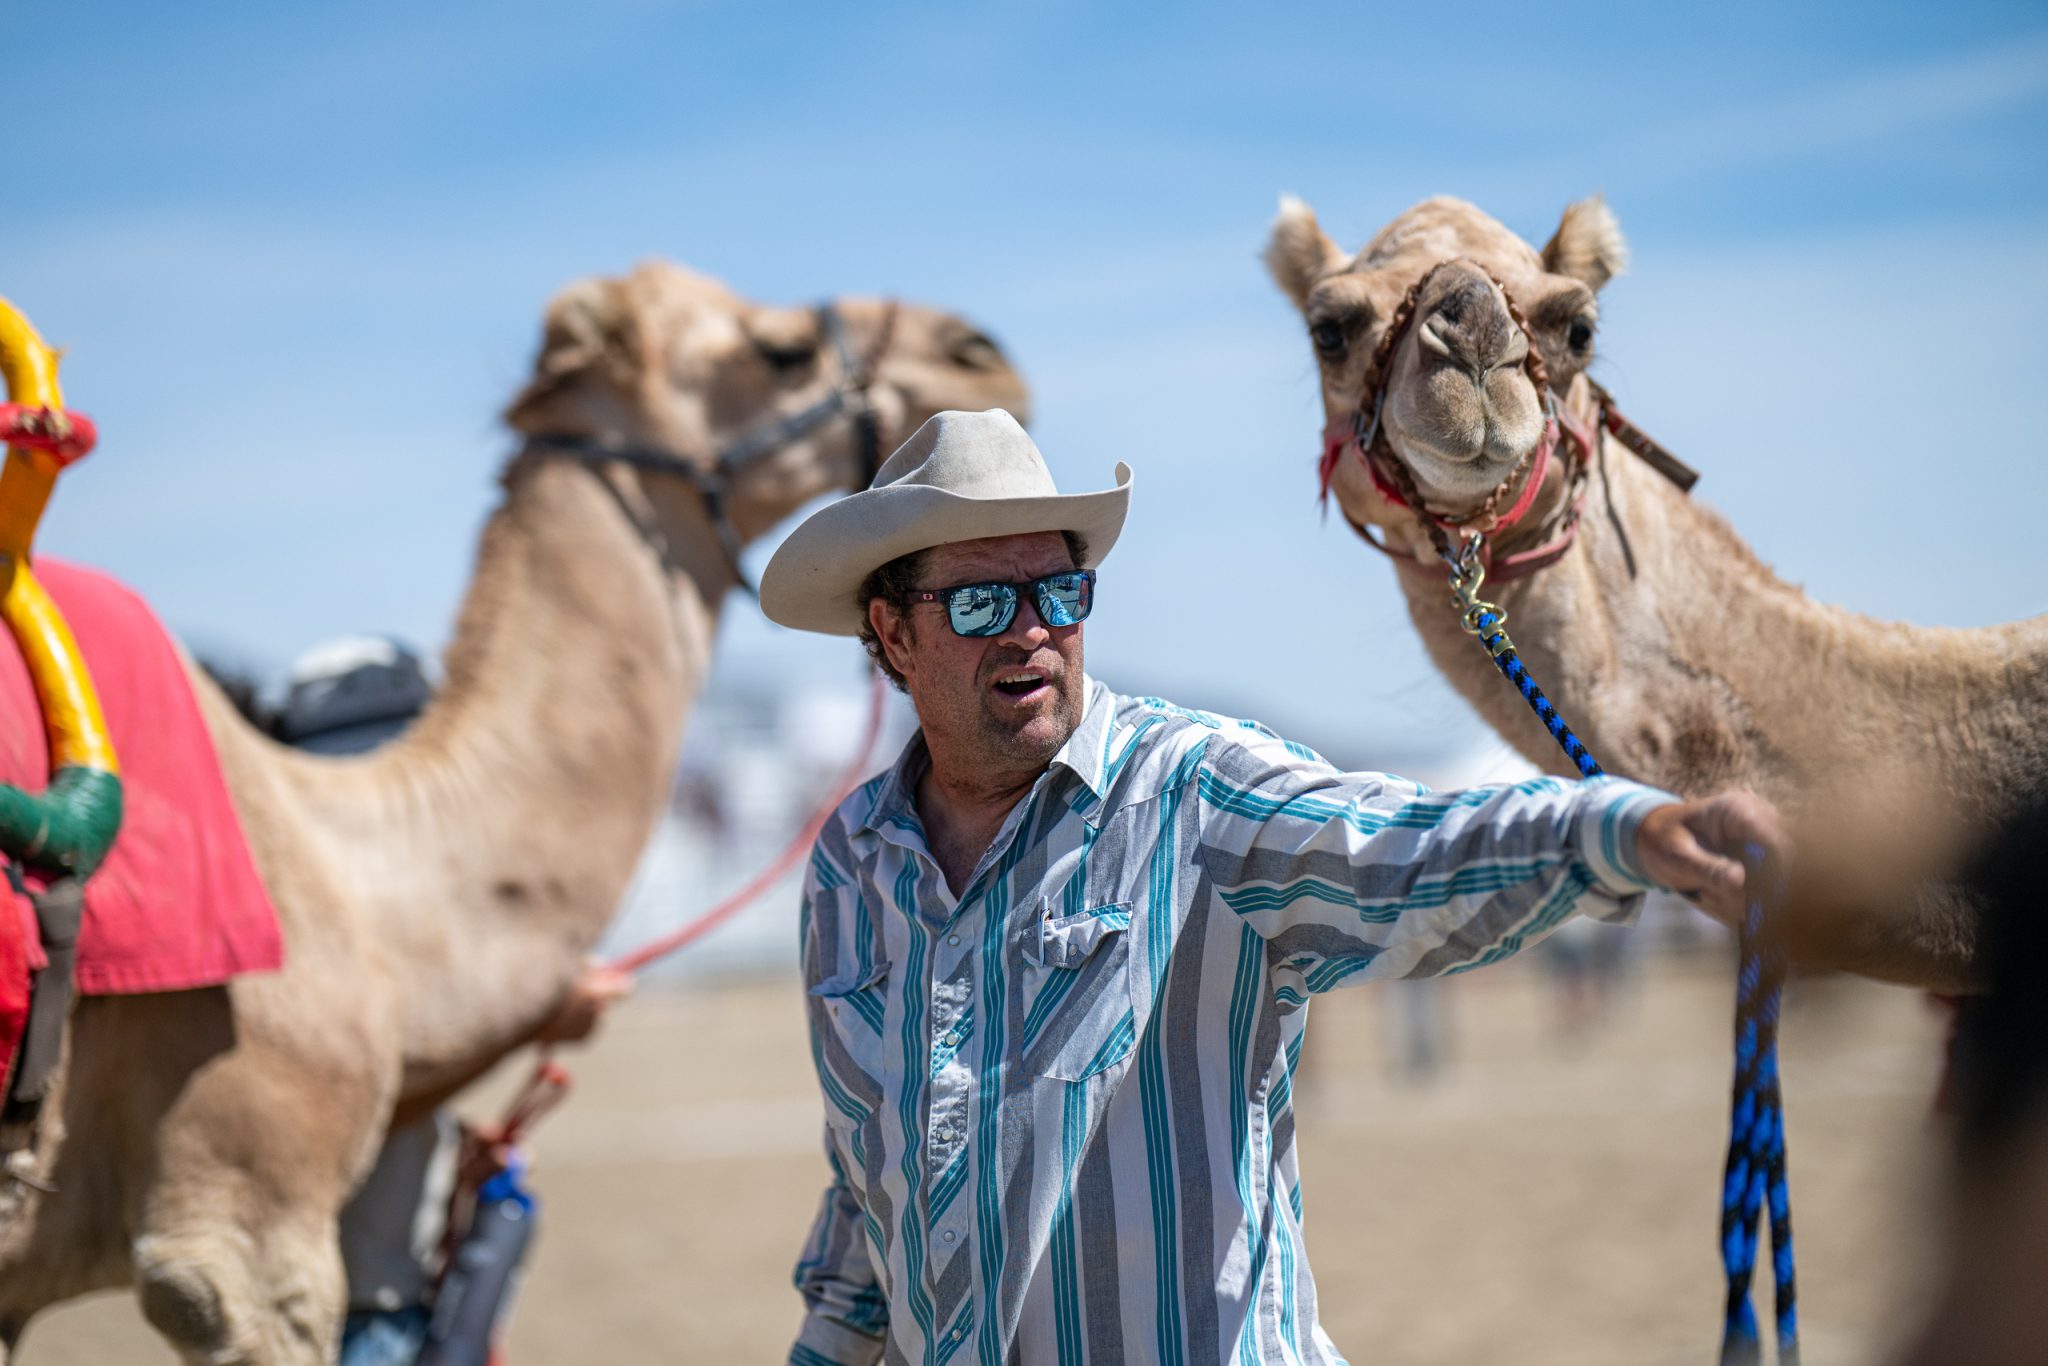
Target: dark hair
(895, 581)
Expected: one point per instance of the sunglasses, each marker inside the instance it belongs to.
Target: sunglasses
(987, 609)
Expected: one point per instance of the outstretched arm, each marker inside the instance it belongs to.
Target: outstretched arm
(1353, 876)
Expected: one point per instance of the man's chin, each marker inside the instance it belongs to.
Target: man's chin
(1036, 733)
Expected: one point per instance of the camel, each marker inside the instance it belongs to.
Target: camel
(437, 895)
(1675, 653)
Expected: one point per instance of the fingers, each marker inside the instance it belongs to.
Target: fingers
(1716, 881)
(1697, 849)
(1731, 832)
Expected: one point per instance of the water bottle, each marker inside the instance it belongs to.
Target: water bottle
(478, 1287)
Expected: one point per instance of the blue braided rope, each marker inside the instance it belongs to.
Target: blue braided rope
(1755, 1173)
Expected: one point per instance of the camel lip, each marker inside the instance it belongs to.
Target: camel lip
(1409, 450)
(1413, 450)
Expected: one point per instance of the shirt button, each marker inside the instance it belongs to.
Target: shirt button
(945, 1135)
(952, 1039)
(949, 1235)
(954, 940)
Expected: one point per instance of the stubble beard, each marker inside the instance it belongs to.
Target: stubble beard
(1033, 741)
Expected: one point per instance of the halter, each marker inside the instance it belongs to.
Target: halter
(713, 479)
(1365, 433)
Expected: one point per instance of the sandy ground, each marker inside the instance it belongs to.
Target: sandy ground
(1571, 1180)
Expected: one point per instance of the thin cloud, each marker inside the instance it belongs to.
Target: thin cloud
(1860, 111)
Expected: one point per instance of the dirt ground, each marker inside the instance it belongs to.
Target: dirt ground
(1573, 1179)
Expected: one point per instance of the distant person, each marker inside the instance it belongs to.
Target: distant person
(1058, 958)
(347, 697)
(1587, 964)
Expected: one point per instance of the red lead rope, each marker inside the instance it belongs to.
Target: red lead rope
(710, 920)
(550, 1080)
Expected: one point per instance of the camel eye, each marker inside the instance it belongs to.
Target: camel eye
(1580, 335)
(1328, 339)
(786, 355)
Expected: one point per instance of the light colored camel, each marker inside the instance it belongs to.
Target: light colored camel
(1673, 651)
(437, 895)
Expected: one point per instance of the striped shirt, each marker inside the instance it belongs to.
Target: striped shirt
(1058, 1107)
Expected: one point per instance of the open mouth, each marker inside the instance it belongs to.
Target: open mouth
(1021, 684)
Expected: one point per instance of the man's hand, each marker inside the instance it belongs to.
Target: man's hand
(1696, 848)
(595, 990)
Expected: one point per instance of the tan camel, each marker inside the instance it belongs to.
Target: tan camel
(437, 895)
(1675, 653)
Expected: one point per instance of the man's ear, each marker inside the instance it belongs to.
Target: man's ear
(893, 629)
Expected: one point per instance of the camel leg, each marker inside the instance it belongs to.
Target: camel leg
(234, 1160)
(66, 1241)
(236, 1257)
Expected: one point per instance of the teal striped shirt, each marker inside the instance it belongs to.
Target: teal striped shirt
(1058, 1108)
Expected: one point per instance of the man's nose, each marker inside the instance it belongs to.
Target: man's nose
(1026, 628)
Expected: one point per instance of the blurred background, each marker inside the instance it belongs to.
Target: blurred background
(298, 256)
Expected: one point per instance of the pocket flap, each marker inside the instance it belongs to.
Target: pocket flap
(854, 979)
(1068, 940)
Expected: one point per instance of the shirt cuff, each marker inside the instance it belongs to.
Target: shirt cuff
(1611, 810)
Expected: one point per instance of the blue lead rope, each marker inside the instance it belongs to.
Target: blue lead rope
(1755, 1173)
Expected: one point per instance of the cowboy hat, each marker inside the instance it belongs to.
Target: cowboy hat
(960, 477)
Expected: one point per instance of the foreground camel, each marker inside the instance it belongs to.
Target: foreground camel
(437, 896)
(1676, 654)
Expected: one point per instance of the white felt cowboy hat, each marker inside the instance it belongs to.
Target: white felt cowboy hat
(960, 477)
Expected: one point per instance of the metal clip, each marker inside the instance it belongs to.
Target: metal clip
(1468, 572)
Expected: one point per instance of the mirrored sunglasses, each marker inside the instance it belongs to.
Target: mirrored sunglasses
(987, 609)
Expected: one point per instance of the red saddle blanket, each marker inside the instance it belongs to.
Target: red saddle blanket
(178, 903)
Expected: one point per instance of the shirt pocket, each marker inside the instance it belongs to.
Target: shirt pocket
(854, 1001)
(1082, 1017)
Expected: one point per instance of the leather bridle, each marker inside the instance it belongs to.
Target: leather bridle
(713, 478)
(1460, 537)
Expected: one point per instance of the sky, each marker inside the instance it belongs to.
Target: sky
(298, 257)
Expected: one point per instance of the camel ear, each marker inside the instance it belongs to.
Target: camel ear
(1298, 253)
(1588, 245)
(586, 329)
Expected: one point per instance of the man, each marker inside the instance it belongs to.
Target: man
(1059, 957)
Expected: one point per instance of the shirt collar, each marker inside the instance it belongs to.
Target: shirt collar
(1085, 755)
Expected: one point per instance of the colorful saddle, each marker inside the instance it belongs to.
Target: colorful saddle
(122, 875)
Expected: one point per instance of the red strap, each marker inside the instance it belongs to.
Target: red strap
(60, 432)
(1338, 434)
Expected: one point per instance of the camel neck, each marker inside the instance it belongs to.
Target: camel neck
(1680, 658)
(507, 822)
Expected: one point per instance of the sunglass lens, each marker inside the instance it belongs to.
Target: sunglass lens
(1065, 599)
(982, 609)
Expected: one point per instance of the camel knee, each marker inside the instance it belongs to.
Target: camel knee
(223, 1302)
(189, 1298)
(186, 1307)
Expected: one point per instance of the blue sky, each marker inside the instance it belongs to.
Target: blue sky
(300, 254)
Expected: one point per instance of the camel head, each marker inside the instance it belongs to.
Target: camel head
(1458, 405)
(667, 360)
